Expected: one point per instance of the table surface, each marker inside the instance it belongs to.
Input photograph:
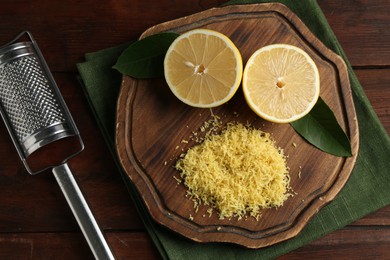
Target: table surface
(35, 220)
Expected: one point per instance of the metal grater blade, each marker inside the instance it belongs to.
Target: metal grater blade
(31, 105)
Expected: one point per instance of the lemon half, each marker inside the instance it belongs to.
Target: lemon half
(281, 83)
(203, 68)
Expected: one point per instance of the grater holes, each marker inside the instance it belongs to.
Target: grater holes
(27, 97)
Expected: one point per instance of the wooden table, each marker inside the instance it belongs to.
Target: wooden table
(35, 220)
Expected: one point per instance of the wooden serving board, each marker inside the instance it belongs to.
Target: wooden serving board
(151, 124)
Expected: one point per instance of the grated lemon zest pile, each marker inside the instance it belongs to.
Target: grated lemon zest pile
(237, 172)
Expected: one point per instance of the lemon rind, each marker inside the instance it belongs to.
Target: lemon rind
(239, 67)
(255, 108)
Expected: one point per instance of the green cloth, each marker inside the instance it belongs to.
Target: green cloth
(366, 191)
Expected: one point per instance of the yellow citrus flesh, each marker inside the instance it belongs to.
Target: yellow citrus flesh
(203, 68)
(281, 83)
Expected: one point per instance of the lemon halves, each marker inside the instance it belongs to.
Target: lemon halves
(281, 83)
(203, 68)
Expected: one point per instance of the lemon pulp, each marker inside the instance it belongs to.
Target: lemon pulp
(203, 68)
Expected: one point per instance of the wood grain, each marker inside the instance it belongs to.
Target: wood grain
(362, 28)
(376, 87)
(373, 244)
(73, 28)
(32, 208)
(134, 245)
(151, 124)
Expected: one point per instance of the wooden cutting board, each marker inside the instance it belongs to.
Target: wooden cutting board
(151, 124)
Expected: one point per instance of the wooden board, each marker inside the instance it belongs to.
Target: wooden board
(151, 123)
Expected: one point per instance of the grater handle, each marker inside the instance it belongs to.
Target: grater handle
(82, 212)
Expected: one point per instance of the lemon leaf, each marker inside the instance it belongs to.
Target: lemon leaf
(320, 128)
(145, 58)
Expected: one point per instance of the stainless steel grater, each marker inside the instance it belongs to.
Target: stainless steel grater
(37, 118)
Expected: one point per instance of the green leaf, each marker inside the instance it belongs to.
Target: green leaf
(145, 58)
(320, 128)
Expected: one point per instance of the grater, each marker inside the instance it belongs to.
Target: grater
(41, 126)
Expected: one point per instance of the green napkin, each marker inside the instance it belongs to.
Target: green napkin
(366, 191)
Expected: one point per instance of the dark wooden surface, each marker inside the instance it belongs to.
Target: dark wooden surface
(35, 221)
